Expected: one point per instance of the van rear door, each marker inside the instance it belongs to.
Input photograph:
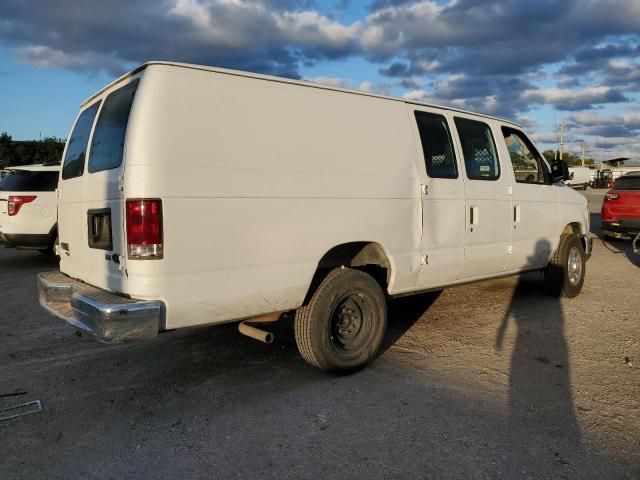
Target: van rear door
(71, 192)
(98, 223)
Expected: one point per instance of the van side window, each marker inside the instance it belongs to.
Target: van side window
(526, 161)
(73, 164)
(107, 145)
(437, 147)
(479, 149)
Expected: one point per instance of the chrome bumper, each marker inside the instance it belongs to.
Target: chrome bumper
(109, 317)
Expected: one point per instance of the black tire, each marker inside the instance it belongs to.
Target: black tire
(51, 249)
(565, 272)
(342, 328)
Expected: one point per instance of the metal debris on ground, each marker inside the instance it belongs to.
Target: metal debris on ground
(28, 407)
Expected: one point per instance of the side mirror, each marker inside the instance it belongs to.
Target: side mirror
(559, 171)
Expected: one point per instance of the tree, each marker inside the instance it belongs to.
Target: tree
(6, 149)
(571, 158)
(13, 152)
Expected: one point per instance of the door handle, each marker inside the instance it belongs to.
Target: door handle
(474, 215)
(516, 213)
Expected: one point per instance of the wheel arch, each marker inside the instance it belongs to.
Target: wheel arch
(578, 229)
(368, 256)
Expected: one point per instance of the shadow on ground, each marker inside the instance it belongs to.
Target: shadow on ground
(210, 403)
(617, 246)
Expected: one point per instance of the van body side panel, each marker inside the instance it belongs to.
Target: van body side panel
(258, 180)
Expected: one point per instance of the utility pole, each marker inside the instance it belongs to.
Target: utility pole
(561, 138)
(583, 149)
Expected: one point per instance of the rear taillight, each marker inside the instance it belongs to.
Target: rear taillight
(611, 196)
(144, 229)
(16, 202)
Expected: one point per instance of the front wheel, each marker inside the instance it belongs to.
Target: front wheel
(342, 328)
(566, 271)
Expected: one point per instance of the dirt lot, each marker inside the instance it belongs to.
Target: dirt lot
(492, 380)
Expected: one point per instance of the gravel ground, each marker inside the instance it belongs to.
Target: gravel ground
(491, 380)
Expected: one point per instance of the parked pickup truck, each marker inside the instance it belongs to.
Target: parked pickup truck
(192, 196)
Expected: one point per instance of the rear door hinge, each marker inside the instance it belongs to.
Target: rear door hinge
(121, 183)
(423, 189)
(57, 193)
(424, 260)
(510, 190)
(510, 249)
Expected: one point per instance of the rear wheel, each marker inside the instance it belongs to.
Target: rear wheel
(565, 272)
(342, 328)
(53, 242)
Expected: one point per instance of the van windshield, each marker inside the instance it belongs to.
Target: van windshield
(28, 181)
(627, 183)
(107, 145)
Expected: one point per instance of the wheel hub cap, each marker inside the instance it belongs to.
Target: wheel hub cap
(347, 324)
(574, 266)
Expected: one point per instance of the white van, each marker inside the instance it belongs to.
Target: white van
(579, 177)
(192, 195)
(28, 207)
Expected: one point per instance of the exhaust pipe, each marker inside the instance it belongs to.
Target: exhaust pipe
(257, 333)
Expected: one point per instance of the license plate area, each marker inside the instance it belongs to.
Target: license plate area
(99, 228)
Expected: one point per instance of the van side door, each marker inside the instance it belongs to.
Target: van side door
(534, 202)
(442, 194)
(487, 198)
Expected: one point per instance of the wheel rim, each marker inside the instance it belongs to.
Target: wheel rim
(349, 321)
(574, 266)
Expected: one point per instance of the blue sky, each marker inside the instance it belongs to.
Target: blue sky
(542, 62)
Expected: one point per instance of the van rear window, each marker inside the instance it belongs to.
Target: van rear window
(107, 144)
(73, 164)
(29, 181)
(627, 183)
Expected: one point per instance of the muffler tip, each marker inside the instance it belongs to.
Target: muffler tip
(256, 333)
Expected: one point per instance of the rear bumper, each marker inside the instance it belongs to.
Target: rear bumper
(16, 240)
(622, 227)
(109, 317)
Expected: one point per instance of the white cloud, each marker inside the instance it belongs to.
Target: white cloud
(366, 86)
(570, 99)
(239, 24)
(415, 95)
(47, 57)
(329, 81)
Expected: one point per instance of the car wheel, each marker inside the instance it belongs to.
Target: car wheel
(51, 249)
(565, 272)
(342, 327)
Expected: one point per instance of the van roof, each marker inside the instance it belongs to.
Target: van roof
(271, 78)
